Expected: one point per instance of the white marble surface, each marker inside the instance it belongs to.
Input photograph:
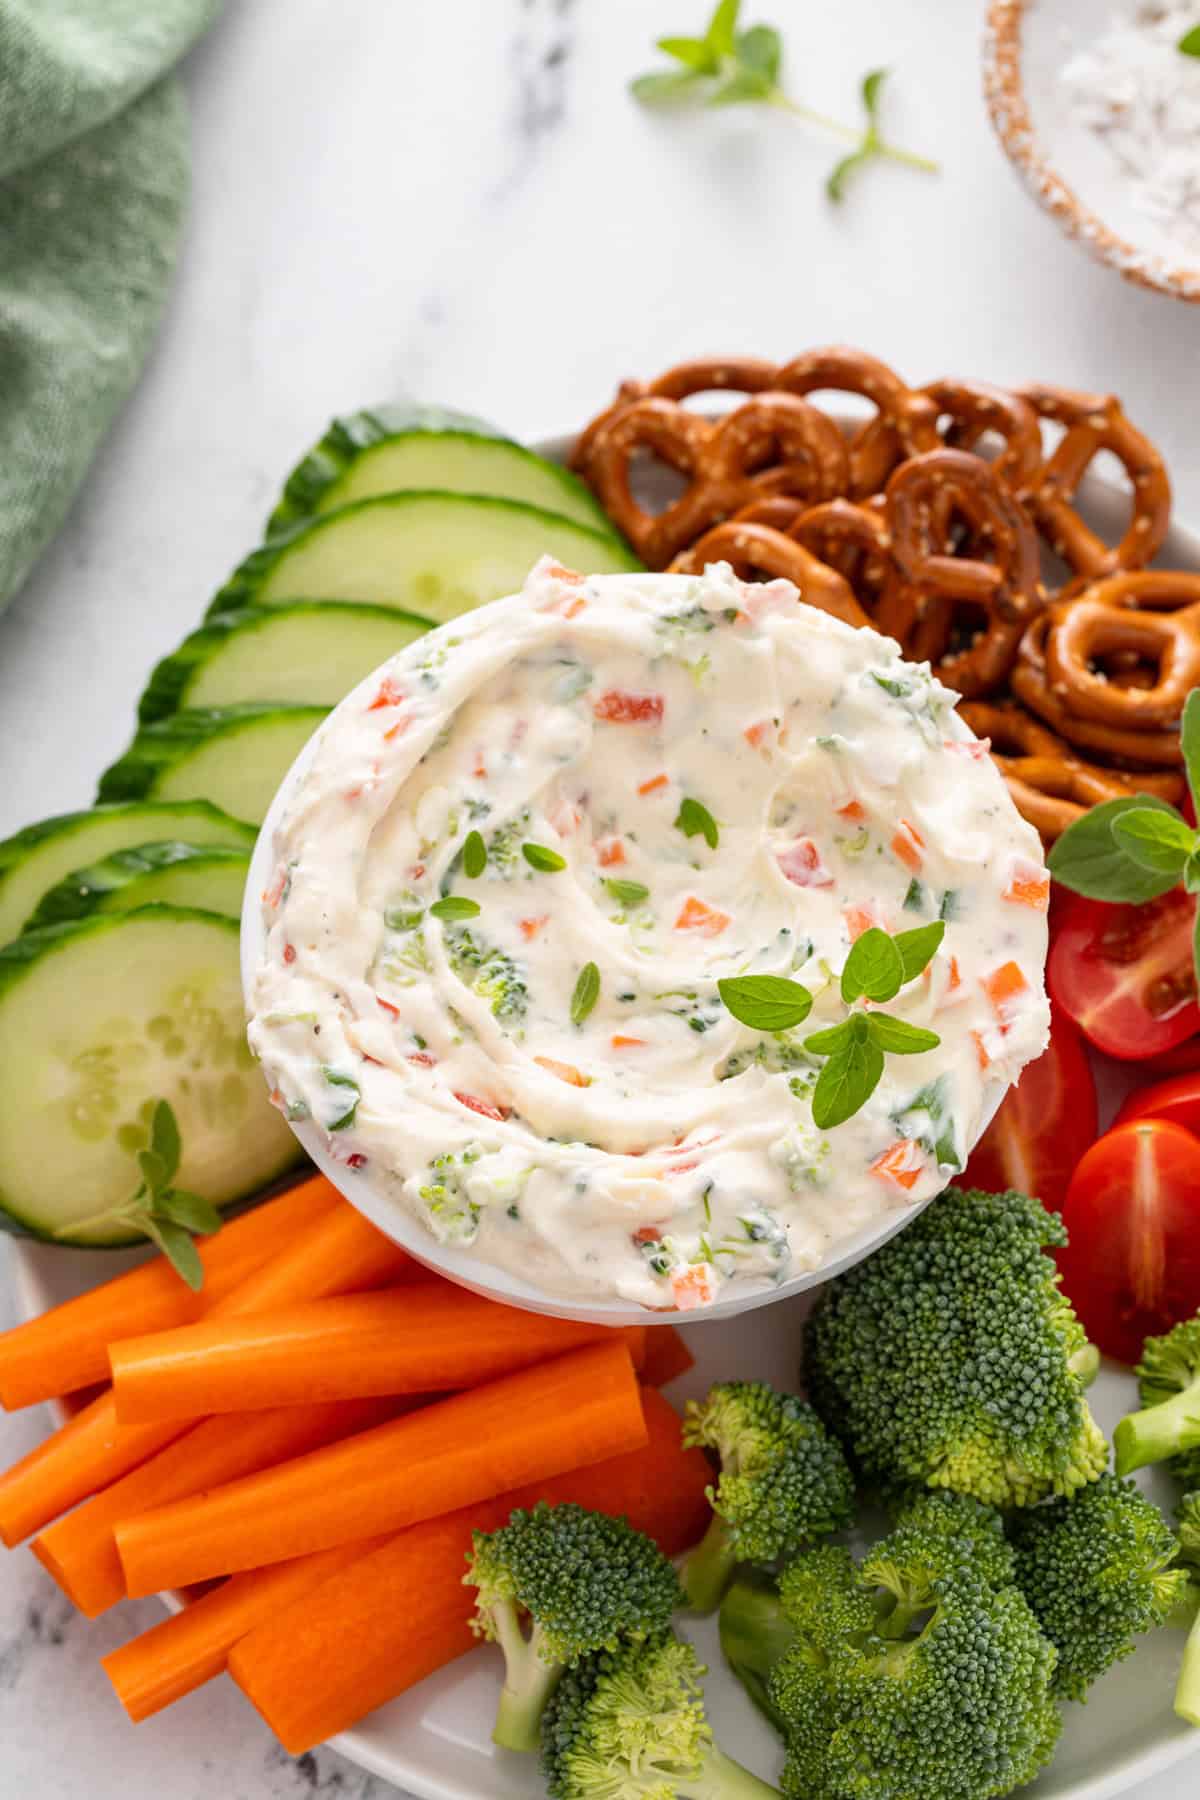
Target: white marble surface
(458, 202)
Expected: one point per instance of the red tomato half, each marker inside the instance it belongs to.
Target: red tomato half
(1044, 1124)
(1125, 974)
(1177, 1101)
(1133, 1213)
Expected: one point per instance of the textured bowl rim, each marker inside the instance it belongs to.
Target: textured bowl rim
(1004, 90)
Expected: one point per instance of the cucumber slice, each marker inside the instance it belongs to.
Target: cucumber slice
(42, 855)
(312, 652)
(391, 449)
(99, 1019)
(436, 555)
(235, 756)
(213, 878)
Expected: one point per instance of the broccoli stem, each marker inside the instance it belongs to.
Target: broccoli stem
(720, 1778)
(1187, 1693)
(529, 1681)
(755, 1636)
(1159, 1432)
(709, 1568)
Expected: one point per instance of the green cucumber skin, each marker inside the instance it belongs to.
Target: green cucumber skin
(352, 433)
(166, 690)
(311, 486)
(157, 746)
(16, 850)
(248, 578)
(17, 958)
(84, 892)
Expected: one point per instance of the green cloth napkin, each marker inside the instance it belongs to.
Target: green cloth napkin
(93, 182)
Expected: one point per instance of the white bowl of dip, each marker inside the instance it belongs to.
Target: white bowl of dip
(377, 1185)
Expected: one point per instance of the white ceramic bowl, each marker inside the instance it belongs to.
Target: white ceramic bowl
(459, 1265)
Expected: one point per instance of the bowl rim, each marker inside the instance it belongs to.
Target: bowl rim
(1004, 90)
(405, 1229)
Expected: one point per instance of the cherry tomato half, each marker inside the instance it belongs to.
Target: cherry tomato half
(1132, 1267)
(1177, 1101)
(1044, 1124)
(1126, 975)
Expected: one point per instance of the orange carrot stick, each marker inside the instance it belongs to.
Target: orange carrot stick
(667, 1356)
(67, 1347)
(560, 1415)
(402, 1611)
(80, 1551)
(341, 1253)
(94, 1449)
(432, 1338)
(188, 1649)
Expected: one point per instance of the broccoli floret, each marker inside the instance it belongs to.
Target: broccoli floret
(1187, 1693)
(912, 1677)
(489, 972)
(1168, 1429)
(784, 1482)
(960, 1527)
(952, 1359)
(1097, 1570)
(585, 1581)
(630, 1725)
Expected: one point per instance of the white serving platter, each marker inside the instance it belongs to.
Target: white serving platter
(434, 1742)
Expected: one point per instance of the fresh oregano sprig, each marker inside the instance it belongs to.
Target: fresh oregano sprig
(730, 67)
(169, 1216)
(1189, 43)
(877, 967)
(1132, 850)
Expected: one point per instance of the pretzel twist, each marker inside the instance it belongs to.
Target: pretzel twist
(971, 409)
(1096, 422)
(1050, 783)
(773, 443)
(1129, 747)
(905, 421)
(743, 374)
(938, 586)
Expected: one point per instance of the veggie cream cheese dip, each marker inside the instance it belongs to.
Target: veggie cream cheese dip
(526, 852)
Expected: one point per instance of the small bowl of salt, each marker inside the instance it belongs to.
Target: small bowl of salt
(1097, 103)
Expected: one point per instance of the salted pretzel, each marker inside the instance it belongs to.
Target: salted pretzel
(1129, 746)
(905, 420)
(972, 409)
(848, 537)
(772, 443)
(1051, 784)
(702, 375)
(1095, 422)
(753, 549)
(926, 610)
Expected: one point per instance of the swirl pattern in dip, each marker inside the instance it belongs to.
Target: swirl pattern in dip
(622, 1133)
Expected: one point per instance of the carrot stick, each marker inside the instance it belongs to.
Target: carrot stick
(94, 1449)
(667, 1356)
(402, 1611)
(432, 1338)
(341, 1253)
(661, 1489)
(188, 1649)
(80, 1551)
(559, 1415)
(85, 1454)
(67, 1347)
